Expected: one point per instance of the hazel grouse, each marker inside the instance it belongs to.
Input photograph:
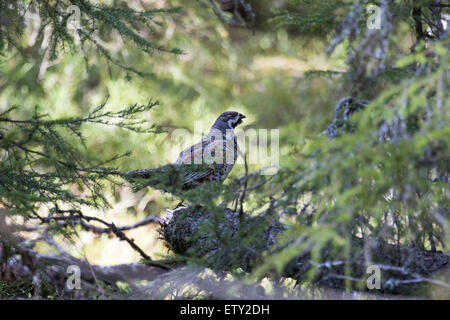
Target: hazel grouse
(209, 160)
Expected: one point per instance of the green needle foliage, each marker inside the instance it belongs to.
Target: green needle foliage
(43, 158)
(61, 22)
(308, 16)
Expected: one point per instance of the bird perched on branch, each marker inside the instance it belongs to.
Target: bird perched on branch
(209, 160)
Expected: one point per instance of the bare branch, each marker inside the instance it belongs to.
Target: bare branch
(76, 216)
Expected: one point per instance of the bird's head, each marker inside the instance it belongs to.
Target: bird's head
(228, 120)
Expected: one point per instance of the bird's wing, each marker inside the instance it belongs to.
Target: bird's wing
(206, 156)
(188, 155)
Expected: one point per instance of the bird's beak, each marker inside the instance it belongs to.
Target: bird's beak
(241, 116)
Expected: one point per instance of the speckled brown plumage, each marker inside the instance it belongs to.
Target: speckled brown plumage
(209, 160)
(218, 150)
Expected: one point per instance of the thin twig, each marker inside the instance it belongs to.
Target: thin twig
(77, 216)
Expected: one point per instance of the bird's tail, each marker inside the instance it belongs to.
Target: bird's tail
(167, 178)
(141, 173)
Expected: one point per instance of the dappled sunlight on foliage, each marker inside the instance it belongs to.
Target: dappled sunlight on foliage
(363, 146)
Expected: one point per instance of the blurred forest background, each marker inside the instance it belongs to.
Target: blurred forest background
(72, 101)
